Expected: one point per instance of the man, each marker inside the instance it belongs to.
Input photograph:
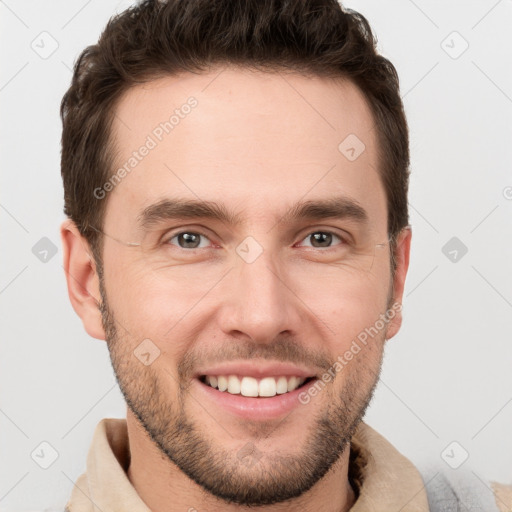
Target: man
(235, 179)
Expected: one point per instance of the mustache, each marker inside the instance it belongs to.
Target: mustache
(283, 350)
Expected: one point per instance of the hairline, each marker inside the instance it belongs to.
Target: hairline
(111, 150)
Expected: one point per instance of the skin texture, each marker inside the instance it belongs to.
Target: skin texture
(257, 142)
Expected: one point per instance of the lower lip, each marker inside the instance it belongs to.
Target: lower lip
(264, 408)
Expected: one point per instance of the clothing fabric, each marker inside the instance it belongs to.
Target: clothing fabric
(382, 478)
(451, 490)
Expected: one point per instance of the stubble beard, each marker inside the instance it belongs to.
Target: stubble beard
(274, 477)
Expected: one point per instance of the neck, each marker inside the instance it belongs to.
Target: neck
(165, 488)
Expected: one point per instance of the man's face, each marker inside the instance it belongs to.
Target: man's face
(297, 292)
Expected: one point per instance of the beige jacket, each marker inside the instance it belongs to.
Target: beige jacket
(384, 480)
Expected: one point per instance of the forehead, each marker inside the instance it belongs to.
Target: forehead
(254, 140)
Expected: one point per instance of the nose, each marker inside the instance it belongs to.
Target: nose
(260, 301)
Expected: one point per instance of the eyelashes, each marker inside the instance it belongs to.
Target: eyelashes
(195, 236)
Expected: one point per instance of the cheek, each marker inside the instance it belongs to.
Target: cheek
(348, 303)
(172, 303)
(154, 305)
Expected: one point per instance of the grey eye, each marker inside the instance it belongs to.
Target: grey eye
(187, 239)
(322, 239)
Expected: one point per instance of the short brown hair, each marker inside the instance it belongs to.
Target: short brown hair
(154, 38)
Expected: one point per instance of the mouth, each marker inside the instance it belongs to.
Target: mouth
(252, 398)
(265, 387)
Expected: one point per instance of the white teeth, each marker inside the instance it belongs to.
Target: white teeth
(222, 382)
(282, 385)
(267, 386)
(233, 385)
(292, 383)
(251, 387)
(248, 386)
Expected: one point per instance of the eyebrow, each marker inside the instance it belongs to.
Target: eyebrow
(169, 209)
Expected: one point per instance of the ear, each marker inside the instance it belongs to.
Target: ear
(82, 279)
(402, 251)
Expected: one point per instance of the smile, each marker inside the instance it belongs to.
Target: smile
(252, 387)
(253, 398)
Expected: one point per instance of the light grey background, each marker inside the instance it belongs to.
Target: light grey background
(447, 376)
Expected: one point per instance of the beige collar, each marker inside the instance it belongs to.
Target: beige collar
(383, 478)
(389, 481)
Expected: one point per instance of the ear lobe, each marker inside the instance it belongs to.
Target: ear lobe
(402, 252)
(82, 279)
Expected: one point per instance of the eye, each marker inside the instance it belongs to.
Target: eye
(192, 240)
(187, 240)
(323, 239)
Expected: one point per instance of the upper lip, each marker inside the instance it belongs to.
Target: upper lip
(258, 371)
